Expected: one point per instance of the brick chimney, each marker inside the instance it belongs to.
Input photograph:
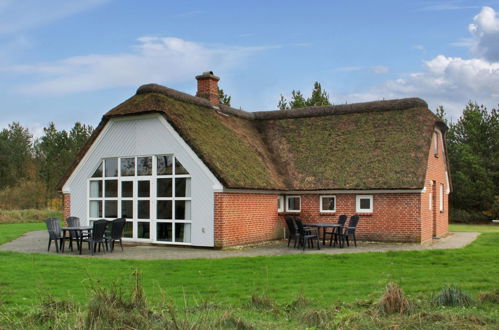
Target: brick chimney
(208, 87)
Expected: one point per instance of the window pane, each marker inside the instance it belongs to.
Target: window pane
(144, 189)
(96, 188)
(111, 209)
(365, 203)
(183, 187)
(144, 165)
(127, 166)
(127, 209)
(294, 203)
(111, 167)
(179, 169)
(111, 188)
(164, 232)
(127, 189)
(98, 172)
(328, 203)
(183, 232)
(165, 165)
(143, 230)
(95, 209)
(164, 188)
(164, 209)
(143, 209)
(128, 229)
(182, 210)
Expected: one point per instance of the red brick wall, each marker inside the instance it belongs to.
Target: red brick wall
(435, 173)
(242, 218)
(395, 216)
(66, 203)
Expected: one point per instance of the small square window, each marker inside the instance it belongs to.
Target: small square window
(328, 204)
(364, 203)
(293, 203)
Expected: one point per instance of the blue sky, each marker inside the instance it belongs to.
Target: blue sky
(71, 60)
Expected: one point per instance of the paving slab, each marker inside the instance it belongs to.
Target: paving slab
(36, 242)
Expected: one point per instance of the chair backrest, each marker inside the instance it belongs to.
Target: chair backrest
(291, 224)
(53, 227)
(342, 219)
(73, 221)
(117, 226)
(98, 230)
(299, 227)
(352, 225)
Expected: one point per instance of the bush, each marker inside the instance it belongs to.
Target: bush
(27, 194)
(26, 216)
(463, 216)
(452, 296)
(394, 300)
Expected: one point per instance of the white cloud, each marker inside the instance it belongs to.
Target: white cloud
(153, 59)
(485, 31)
(379, 69)
(18, 15)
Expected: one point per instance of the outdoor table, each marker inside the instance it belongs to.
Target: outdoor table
(79, 235)
(324, 226)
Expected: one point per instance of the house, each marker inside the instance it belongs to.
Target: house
(187, 170)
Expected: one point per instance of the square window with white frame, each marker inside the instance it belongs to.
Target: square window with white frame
(328, 204)
(293, 204)
(280, 203)
(364, 203)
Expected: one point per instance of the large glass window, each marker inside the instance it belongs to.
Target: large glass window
(152, 192)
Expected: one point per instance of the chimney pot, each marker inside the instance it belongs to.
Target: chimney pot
(208, 87)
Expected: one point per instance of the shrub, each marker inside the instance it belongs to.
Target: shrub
(463, 216)
(452, 296)
(394, 300)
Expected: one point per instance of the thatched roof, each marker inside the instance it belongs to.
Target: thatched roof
(373, 145)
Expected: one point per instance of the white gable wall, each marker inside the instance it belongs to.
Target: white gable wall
(142, 136)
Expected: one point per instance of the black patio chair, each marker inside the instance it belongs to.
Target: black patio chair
(307, 235)
(55, 233)
(73, 235)
(97, 238)
(349, 231)
(293, 231)
(334, 233)
(116, 233)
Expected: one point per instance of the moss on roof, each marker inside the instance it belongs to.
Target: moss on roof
(374, 145)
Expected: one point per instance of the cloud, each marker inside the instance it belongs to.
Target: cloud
(153, 59)
(450, 5)
(379, 69)
(18, 15)
(485, 31)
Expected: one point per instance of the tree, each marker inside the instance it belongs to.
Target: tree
(319, 97)
(16, 154)
(224, 98)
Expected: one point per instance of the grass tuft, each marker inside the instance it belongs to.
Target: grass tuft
(394, 300)
(261, 302)
(452, 296)
(489, 297)
(230, 321)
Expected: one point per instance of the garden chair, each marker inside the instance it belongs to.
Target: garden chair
(349, 231)
(307, 235)
(116, 233)
(293, 232)
(73, 222)
(55, 233)
(334, 233)
(97, 238)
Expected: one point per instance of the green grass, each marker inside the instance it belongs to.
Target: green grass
(12, 231)
(475, 228)
(28, 215)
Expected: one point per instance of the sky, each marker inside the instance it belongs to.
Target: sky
(65, 61)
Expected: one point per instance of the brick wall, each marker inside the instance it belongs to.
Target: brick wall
(242, 218)
(395, 216)
(66, 203)
(435, 222)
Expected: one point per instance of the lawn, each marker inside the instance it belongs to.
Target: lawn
(475, 228)
(326, 279)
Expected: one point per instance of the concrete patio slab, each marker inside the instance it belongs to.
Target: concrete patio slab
(36, 242)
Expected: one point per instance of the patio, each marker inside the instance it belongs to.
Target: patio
(36, 242)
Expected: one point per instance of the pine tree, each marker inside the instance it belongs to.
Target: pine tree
(224, 98)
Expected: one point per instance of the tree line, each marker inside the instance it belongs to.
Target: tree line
(30, 168)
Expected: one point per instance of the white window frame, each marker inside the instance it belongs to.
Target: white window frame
(280, 199)
(435, 144)
(357, 203)
(321, 204)
(441, 193)
(287, 203)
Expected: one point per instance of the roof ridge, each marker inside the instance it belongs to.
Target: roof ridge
(313, 111)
